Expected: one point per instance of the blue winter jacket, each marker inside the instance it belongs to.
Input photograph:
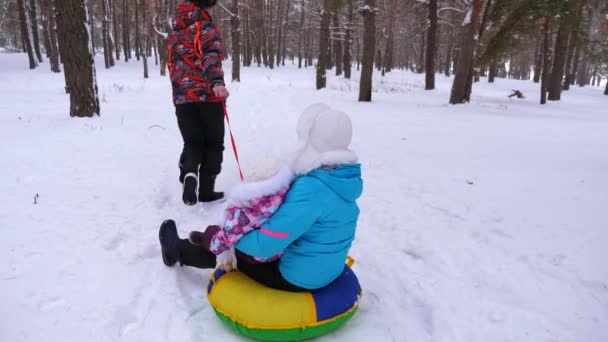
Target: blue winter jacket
(314, 227)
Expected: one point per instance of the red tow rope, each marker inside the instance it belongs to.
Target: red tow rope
(236, 153)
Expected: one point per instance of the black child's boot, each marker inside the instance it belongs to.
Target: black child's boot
(206, 190)
(189, 188)
(183, 251)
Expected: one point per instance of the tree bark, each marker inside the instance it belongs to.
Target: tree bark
(44, 18)
(606, 90)
(236, 41)
(142, 34)
(348, 42)
(561, 47)
(258, 25)
(431, 46)
(247, 35)
(138, 44)
(301, 34)
(369, 48)
(26, 33)
(50, 36)
(286, 25)
(105, 33)
(125, 31)
(460, 92)
(78, 58)
(546, 62)
(538, 60)
(492, 72)
(35, 33)
(338, 60)
(115, 34)
(323, 44)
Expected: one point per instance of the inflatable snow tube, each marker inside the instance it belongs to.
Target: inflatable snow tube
(259, 312)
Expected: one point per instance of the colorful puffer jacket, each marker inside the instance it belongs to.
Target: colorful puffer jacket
(195, 54)
(250, 205)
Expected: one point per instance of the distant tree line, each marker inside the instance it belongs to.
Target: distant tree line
(556, 43)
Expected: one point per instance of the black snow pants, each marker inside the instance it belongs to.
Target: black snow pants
(265, 273)
(202, 129)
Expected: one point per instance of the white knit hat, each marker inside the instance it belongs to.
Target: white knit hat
(324, 135)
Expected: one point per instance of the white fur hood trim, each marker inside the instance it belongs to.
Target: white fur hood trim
(244, 192)
(310, 159)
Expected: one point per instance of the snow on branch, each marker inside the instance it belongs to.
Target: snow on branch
(225, 9)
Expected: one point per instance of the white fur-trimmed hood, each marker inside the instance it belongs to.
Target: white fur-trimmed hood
(246, 191)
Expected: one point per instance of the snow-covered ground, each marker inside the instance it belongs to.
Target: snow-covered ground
(480, 222)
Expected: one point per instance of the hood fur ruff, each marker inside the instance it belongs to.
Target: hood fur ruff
(243, 192)
(309, 159)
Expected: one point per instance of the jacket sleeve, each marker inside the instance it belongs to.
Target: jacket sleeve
(301, 209)
(212, 52)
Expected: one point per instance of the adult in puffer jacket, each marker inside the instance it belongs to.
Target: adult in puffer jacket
(315, 225)
(195, 54)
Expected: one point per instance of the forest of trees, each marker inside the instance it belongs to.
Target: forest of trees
(556, 43)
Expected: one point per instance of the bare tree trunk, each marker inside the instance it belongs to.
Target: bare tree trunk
(460, 93)
(78, 58)
(92, 28)
(286, 25)
(492, 72)
(247, 35)
(538, 60)
(26, 33)
(387, 63)
(105, 33)
(259, 32)
(35, 33)
(348, 42)
(369, 48)
(546, 62)
(125, 31)
(301, 34)
(337, 43)
(571, 48)
(115, 28)
(606, 90)
(431, 46)
(44, 19)
(323, 44)
(48, 23)
(143, 37)
(138, 49)
(236, 41)
(561, 47)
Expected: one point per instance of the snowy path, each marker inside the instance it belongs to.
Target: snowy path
(484, 222)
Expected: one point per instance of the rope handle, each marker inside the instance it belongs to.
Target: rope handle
(234, 149)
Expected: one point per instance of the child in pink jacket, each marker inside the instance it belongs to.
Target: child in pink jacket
(250, 204)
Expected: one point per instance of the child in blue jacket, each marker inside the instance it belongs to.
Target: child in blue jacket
(315, 225)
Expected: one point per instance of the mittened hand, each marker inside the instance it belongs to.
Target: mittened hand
(203, 239)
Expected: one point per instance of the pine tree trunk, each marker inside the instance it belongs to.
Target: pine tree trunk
(78, 58)
(142, 34)
(546, 62)
(247, 35)
(492, 72)
(337, 44)
(35, 33)
(50, 34)
(323, 44)
(460, 87)
(369, 48)
(26, 33)
(571, 48)
(561, 47)
(104, 34)
(348, 42)
(115, 34)
(301, 35)
(138, 48)
(258, 25)
(236, 41)
(538, 60)
(285, 33)
(46, 39)
(431, 46)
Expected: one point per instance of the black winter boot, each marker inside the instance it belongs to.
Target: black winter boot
(189, 189)
(206, 190)
(167, 234)
(175, 249)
